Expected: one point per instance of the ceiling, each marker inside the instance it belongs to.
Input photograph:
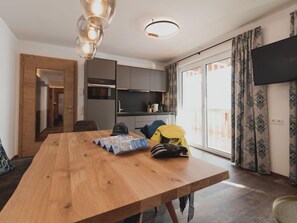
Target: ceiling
(54, 22)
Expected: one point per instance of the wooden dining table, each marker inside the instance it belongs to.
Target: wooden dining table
(71, 179)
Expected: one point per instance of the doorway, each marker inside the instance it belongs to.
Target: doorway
(48, 100)
(205, 109)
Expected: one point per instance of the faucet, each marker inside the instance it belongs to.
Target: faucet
(119, 106)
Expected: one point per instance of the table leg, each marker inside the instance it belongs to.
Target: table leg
(140, 218)
(171, 211)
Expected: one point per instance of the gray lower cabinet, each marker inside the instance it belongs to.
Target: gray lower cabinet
(135, 123)
(129, 121)
(140, 79)
(158, 80)
(141, 121)
(102, 112)
(168, 119)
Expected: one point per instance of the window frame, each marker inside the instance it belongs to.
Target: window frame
(203, 64)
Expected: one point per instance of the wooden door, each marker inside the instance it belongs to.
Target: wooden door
(28, 146)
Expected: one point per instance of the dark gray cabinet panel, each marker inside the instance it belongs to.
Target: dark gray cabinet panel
(123, 77)
(140, 79)
(129, 121)
(100, 68)
(102, 112)
(158, 80)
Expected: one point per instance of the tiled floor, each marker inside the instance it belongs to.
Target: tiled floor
(246, 197)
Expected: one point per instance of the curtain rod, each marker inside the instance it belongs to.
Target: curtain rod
(198, 53)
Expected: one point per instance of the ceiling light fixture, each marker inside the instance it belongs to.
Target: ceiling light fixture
(162, 29)
(85, 49)
(88, 33)
(97, 15)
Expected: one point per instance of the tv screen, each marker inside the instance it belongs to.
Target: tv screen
(276, 62)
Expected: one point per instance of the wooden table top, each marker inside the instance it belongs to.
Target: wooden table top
(73, 180)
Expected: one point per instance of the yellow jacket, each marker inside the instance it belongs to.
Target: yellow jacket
(172, 134)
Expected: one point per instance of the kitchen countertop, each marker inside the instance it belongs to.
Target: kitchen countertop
(143, 113)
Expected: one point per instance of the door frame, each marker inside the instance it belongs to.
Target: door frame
(43, 62)
(202, 63)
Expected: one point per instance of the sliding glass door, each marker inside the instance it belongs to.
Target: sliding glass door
(205, 108)
(218, 105)
(192, 109)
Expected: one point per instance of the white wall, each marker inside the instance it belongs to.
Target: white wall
(275, 27)
(9, 63)
(42, 49)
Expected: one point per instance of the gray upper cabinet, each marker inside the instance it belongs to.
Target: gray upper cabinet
(140, 79)
(158, 80)
(136, 78)
(101, 68)
(123, 77)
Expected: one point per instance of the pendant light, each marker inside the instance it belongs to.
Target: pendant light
(98, 13)
(88, 33)
(85, 49)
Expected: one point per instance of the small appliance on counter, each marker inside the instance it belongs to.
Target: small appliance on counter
(155, 107)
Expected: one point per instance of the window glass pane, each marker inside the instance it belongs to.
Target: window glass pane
(191, 112)
(219, 105)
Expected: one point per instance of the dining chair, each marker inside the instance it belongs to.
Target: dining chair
(285, 209)
(85, 125)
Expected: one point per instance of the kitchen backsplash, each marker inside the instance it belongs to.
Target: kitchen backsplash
(137, 101)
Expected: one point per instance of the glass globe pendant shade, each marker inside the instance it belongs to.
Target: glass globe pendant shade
(98, 13)
(87, 33)
(85, 50)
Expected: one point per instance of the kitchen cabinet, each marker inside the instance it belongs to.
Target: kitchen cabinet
(129, 121)
(158, 80)
(141, 121)
(168, 119)
(100, 68)
(135, 123)
(140, 79)
(123, 77)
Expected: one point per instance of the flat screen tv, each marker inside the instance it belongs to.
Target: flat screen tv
(276, 62)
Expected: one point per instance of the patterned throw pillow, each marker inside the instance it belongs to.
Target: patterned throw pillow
(5, 165)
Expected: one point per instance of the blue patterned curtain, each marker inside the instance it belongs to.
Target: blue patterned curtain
(171, 94)
(250, 141)
(293, 110)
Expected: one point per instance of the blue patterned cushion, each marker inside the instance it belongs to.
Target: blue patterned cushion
(5, 165)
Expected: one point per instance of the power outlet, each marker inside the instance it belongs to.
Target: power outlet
(277, 121)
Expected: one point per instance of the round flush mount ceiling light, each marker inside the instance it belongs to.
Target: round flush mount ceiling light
(162, 29)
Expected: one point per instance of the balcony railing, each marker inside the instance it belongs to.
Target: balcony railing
(218, 128)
